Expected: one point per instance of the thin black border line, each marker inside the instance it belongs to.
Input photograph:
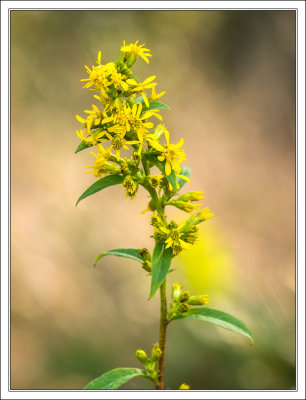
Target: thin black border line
(296, 202)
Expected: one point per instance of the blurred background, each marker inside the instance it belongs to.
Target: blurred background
(230, 82)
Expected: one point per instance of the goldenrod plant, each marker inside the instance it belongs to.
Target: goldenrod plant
(122, 128)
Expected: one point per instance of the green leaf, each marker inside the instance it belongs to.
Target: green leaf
(186, 172)
(115, 378)
(172, 179)
(153, 105)
(83, 146)
(109, 180)
(127, 253)
(161, 261)
(218, 318)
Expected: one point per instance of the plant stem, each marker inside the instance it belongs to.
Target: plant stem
(162, 335)
(160, 385)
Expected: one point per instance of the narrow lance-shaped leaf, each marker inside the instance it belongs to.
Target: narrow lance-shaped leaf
(115, 378)
(82, 146)
(109, 180)
(153, 105)
(127, 253)
(161, 261)
(185, 171)
(218, 318)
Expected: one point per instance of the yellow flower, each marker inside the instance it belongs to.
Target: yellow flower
(139, 124)
(120, 116)
(119, 143)
(156, 96)
(136, 50)
(139, 87)
(174, 238)
(99, 77)
(93, 138)
(118, 79)
(170, 153)
(102, 166)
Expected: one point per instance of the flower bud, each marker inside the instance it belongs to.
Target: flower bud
(176, 292)
(156, 352)
(184, 297)
(130, 186)
(183, 308)
(184, 386)
(147, 265)
(199, 217)
(159, 130)
(203, 215)
(145, 254)
(141, 356)
(136, 156)
(200, 300)
(191, 196)
(154, 180)
(186, 206)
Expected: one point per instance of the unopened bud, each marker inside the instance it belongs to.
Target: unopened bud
(156, 352)
(136, 156)
(191, 196)
(184, 297)
(183, 308)
(186, 206)
(155, 221)
(200, 300)
(141, 356)
(145, 254)
(184, 386)
(203, 215)
(176, 292)
(147, 265)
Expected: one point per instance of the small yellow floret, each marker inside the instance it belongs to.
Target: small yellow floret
(137, 50)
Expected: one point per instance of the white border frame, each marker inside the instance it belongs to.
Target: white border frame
(5, 197)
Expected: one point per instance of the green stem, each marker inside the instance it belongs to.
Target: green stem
(162, 335)
(151, 190)
(160, 385)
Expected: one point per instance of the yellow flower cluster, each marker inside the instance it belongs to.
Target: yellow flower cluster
(122, 127)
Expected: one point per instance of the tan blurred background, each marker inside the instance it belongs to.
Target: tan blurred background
(230, 81)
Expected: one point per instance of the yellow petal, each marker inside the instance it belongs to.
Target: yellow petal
(80, 119)
(125, 86)
(99, 57)
(145, 99)
(180, 143)
(168, 168)
(139, 109)
(184, 245)
(148, 80)
(167, 135)
(165, 230)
